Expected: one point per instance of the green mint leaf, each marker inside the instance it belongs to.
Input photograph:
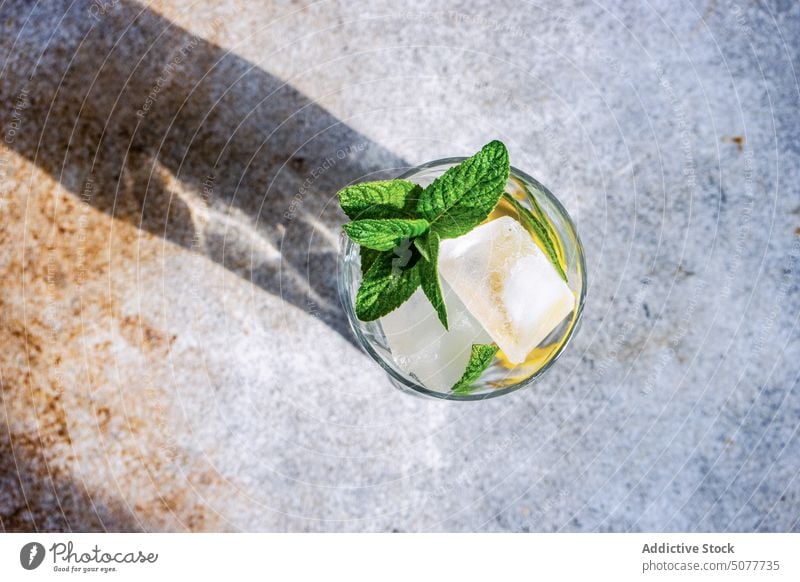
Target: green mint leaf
(383, 235)
(480, 358)
(462, 197)
(541, 230)
(390, 281)
(422, 247)
(383, 199)
(368, 256)
(429, 274)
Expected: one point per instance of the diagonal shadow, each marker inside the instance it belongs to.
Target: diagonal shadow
(153, 125)
(34, 497)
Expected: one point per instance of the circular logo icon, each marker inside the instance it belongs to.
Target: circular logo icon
(31, 555)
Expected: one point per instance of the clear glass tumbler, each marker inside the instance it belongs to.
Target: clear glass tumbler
(502, 377)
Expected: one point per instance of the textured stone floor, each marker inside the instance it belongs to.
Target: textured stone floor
(173, 355)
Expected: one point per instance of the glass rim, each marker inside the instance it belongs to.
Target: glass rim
(407, 383)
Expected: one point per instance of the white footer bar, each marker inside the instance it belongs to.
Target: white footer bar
(406, 557)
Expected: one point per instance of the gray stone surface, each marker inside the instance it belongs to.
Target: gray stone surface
(174, 356)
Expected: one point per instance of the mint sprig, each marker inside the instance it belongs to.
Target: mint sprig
(481, 357)
(398, 226)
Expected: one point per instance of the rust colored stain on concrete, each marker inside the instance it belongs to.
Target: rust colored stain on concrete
(77, 449)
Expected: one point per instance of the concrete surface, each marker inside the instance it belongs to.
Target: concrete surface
(174, 356)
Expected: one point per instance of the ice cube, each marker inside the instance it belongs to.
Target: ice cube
(422, 346)
(507, 283)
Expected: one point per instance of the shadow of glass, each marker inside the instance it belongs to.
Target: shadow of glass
(35, 497)
(153, 125)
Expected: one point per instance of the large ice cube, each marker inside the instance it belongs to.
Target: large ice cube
(507, 283)
(421, 345)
